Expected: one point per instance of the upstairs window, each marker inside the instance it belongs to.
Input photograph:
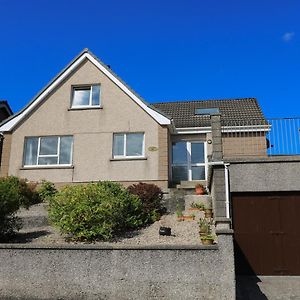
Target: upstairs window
(48, 150)
(128, 145)
(86, 96)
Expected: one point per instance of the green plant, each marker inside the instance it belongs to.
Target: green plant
(207, 237)
(46, 190)
(204, 226)
(179, 210)
(14, 193)
(151, 197)
(199, 206)
(98, 211)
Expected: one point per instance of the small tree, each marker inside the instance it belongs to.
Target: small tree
(151, 197)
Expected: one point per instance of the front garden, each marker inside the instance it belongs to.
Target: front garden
(102, 212)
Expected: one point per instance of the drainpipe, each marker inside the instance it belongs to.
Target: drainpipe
(226, 170)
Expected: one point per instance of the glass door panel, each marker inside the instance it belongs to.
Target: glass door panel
(179, 153)
(197, 153)
(188, 161)
(198, 173)
(180, 173)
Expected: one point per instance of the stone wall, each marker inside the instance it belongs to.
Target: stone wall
(91, 272)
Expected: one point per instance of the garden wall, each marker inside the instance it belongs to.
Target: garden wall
(93, 272)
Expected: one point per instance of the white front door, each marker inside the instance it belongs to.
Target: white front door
(188, 161)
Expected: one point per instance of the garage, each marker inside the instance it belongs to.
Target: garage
(266, 233)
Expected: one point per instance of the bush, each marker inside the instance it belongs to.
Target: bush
(14, 193)
(46, 190)
(95, 211)
(151, 196)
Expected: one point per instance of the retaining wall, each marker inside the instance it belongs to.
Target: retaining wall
(91, 272)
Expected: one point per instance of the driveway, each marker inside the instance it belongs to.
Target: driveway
(268, 287)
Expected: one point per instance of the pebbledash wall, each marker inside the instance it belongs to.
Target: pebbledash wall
(269, 174)
(90, 272)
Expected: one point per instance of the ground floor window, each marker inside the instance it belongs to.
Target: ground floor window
(188, 161)
(48, 150)
(126, 145)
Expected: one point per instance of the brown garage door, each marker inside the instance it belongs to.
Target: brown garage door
(267, 233)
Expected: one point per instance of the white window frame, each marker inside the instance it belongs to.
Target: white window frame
(86, 87)
(189, 163)
(37, 165)
(124, 146)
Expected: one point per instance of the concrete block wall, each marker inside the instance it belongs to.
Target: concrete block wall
(218, 192)
(217, 147)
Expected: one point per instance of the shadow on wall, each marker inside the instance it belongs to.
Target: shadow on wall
(248, 289)
(25, 237)
(246, 279)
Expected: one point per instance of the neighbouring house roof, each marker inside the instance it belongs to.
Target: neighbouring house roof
(5, 106)
(10, 123)
(234, 112)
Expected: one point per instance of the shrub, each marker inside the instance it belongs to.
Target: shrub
(95, 211)
(14, 193)
(46, 190)
(151, 196)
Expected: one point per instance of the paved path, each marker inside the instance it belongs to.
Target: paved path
(268, 287)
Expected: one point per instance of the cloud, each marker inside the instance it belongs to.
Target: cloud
(288, 36)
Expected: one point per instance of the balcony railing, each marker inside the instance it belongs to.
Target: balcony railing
(277, 136)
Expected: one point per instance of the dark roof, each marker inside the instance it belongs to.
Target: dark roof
(234, 112)
(4, 104)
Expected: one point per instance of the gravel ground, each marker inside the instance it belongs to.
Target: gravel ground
(183, 233)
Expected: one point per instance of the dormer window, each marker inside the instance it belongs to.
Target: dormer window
(86, 96)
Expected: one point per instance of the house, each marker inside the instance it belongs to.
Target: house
(88, 125)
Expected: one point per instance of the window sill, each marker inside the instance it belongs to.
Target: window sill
(85, 108)
(46, 167)
(128, 158)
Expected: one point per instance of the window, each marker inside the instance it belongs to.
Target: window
(128, 145)
(86, 96)
(206, 111)
(48, 150)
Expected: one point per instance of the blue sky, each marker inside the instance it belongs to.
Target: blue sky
(166, 50)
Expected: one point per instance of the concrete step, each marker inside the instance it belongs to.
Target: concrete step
(190, 184)
(205, 199)
(35, 216)
(34, 222)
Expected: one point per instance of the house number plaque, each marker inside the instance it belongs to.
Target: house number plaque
(152, 148)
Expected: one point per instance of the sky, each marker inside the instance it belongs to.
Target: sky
(166, 50)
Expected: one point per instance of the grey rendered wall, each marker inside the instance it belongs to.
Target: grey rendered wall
(118, 273)
(266, 175)
(93, 132)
